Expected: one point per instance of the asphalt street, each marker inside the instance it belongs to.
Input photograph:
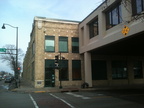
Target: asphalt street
(123, 98)
(104, 99)
(9, 99)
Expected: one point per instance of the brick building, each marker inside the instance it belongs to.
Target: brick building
(50, 38)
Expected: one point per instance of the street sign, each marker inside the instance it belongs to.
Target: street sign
(2, 49)
(125, 30)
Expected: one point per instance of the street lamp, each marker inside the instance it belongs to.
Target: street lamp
(16, 70)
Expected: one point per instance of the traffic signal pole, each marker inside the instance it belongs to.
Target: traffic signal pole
(58, 62)
(60, 73)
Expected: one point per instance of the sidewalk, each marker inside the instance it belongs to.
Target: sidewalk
(26, 88)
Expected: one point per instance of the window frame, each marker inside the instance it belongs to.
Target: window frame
(48, 36)
(138, 70)
(64, 72)
(66, 45)
(75, 49)
(111, 13)
(77, 67)
(92, 31)
(119, 70)
(135, 7)
(33, 48)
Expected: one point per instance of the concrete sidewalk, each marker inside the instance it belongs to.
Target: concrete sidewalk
(26, 88)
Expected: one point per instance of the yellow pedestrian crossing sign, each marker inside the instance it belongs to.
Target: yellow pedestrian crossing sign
(125, 30)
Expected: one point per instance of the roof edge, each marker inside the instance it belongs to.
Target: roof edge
(55, 20)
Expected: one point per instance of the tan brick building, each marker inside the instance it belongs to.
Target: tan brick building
(49, 37)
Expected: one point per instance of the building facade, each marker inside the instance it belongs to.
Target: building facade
(111, 42)
(105, 49)
(52, 38)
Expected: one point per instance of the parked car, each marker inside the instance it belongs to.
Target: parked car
(9, 79)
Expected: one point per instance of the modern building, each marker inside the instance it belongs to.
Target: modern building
(51, 38)
(110, 50)
(111, 42)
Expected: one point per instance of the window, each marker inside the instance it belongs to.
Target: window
(75, 45)
(119, 70)
(82, 36)
(99, 70)
(93, 28)
(33, 71)
(137, 68)
(49, 44)
(63, 64)
(113, 16)
(49, 73)
(76, 70)
(63, 44)
(137, 6)
(33, 48)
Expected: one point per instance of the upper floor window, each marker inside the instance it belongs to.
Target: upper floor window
(113, 16)
(49, 43)
(75, 45)
(63, 44)
(33, 48)
(93, 28)
(137, 6)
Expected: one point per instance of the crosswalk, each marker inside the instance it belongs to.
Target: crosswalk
(77, 95)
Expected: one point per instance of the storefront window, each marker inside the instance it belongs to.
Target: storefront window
(99, 70)
(119, 70)
(137, 68)
(63, 65)
(76, 70)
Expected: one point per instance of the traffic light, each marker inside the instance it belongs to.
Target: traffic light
(56, 62)
(56, 59)
(18, 68)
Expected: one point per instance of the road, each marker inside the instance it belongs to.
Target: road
(105, 99)
(10, 99)
(133, 98)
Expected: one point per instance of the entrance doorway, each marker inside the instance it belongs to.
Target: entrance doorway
(49, 73)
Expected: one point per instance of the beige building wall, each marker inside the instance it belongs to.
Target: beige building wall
(106, 37)
(52, 27)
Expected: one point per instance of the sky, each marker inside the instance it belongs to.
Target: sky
(20, 13)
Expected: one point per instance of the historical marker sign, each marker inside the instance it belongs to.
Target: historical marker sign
(2, 49)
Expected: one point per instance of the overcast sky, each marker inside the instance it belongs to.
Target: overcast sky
(20, 13)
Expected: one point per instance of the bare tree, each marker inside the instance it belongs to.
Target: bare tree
(10, 57)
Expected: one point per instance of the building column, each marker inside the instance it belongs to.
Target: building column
(87, 68)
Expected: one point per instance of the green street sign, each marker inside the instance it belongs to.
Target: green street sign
(2, 49)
